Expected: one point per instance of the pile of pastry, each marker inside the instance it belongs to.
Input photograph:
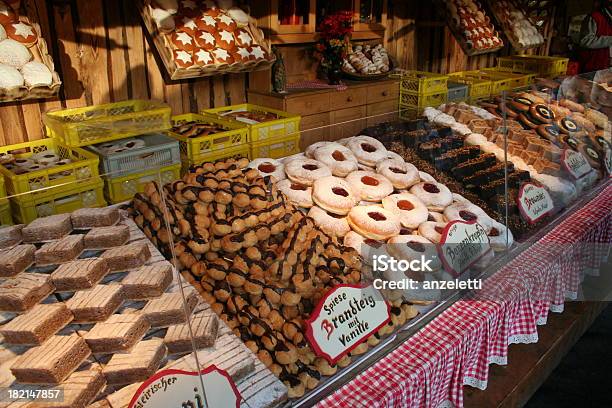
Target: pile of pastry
(39, 161)
(258, 261)
(193, 129)
(357, 190)
(516, 25)
(367, 60)
(18, 66)
(469, 18)
(203, 33)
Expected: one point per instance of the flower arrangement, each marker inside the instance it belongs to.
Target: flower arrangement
(331, 48)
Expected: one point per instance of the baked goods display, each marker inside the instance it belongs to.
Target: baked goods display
(472, 27)
(83, 321)
(205, 38)
(367, 60)
(26, 69)
(258, 260)
(42, 160)
(517, 27)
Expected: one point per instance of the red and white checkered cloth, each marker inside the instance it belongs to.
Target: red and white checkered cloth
(456, 348)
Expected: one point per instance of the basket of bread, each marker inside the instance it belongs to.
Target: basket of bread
(202, 38)
(366, 63)
(472, 27)
(26, 68)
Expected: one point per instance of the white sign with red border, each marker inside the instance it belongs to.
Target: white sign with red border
(462, 244)
(575, 164)
(345, 317)
(534, 202)
(177, 388)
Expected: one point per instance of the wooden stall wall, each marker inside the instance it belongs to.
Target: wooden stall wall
(102, 56)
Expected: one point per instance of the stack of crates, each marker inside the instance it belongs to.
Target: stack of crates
(478, 88)
(457, 92)
(275, 138)
(542, 66)
(5, 208)
(150, 157)
(501, 81)
(70, 182)
(418, 90)
(195, 150)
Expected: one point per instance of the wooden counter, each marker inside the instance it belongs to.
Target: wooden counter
(362, 104)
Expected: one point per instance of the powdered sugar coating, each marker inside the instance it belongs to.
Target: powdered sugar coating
(408, 218)
(436, 201)
(331, 225)
(340, 160)
(401, 174)
(299, 197)
(334, 195)
(263, 164)
(367, 150)
(369, 186)
(306, 171)
(374, 222)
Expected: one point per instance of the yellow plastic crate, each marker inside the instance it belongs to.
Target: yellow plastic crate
(500, 81)
(5, 214)
(111, 121)
(286, 125)
(409, 113)
(519, 79)
(27, 208)
(421, 101)
(277, 148)
(120, 189)
(237, 151)
(192, 147)
(541, 65)
(2, 190)
(84, 166)
(423, 82)
(478, 88)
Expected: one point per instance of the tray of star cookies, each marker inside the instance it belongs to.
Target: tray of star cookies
(202, 38)
(26, 68)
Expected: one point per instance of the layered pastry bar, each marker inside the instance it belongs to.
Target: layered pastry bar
(118, 333)
(52, 362)
(107, 237)
(137, 365)
(86, 218)
(79, 274)
(36, 325)
(149, 281)
(60, 251)
(204, 328)
(168, 309)
(10, 236)
(22, 292)
(96, 304)
(127, 257)
(81, 388)
(47, 228)
(16, 259)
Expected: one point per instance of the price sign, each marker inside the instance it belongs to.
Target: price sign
(462, 244)
(575, 164)
(178, 388)
(344, 318)
(534, 202)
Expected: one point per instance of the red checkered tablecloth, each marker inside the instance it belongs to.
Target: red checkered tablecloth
(456, 348)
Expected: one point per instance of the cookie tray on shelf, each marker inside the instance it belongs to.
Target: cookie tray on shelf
(176, 73)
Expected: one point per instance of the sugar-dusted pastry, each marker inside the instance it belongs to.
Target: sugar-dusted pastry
(225, 22)
(244, 54)
(204, 328)
(52, 362)
(185, 23)
(96, 304)
(47, 228)
(225, 39)
(120, 332)
(86, 218)
(14, 53)
(36, 74)
(81, 387)
(182, 58)
(15, 260)
(240, 17)
(60, 251)
(201, 57)
(168, 309)
(258, 52)
(10, 236)
(222, 56)
(106, 237)
(22, 292)
(137, 365)
(36, 325)
(149, 281)
(79, 274)
(243, 38)
(182, 40)
(10, 77)
(127, 257)
(204, 40)
(21, 32)
(207, 23)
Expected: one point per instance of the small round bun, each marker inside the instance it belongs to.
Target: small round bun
(21, 32)
(36, 74)
(14, 53)
(10, 77)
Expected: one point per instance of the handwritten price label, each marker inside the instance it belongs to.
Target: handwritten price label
(575, 164)
(534, 202)
(462, 244)
(344, 318)
(177, 388)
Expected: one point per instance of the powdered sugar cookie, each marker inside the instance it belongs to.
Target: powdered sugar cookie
(298, 194)
(225, 22)
(435, 196)
(306, 171)
(36, 74)
(243, 38)
(202, 57)
(269, 167)
(468, 212)
(14, 53)
(10, 77)
(401, 174)
(183, 41)
(205, 40)
(369, 186)
(21, 32)
(374, 222)
(225, 39)
(223, 56)
(334, 195)
(411, 211)
(183, 59)
(338, 158)
(367, 150)
(331, 224)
